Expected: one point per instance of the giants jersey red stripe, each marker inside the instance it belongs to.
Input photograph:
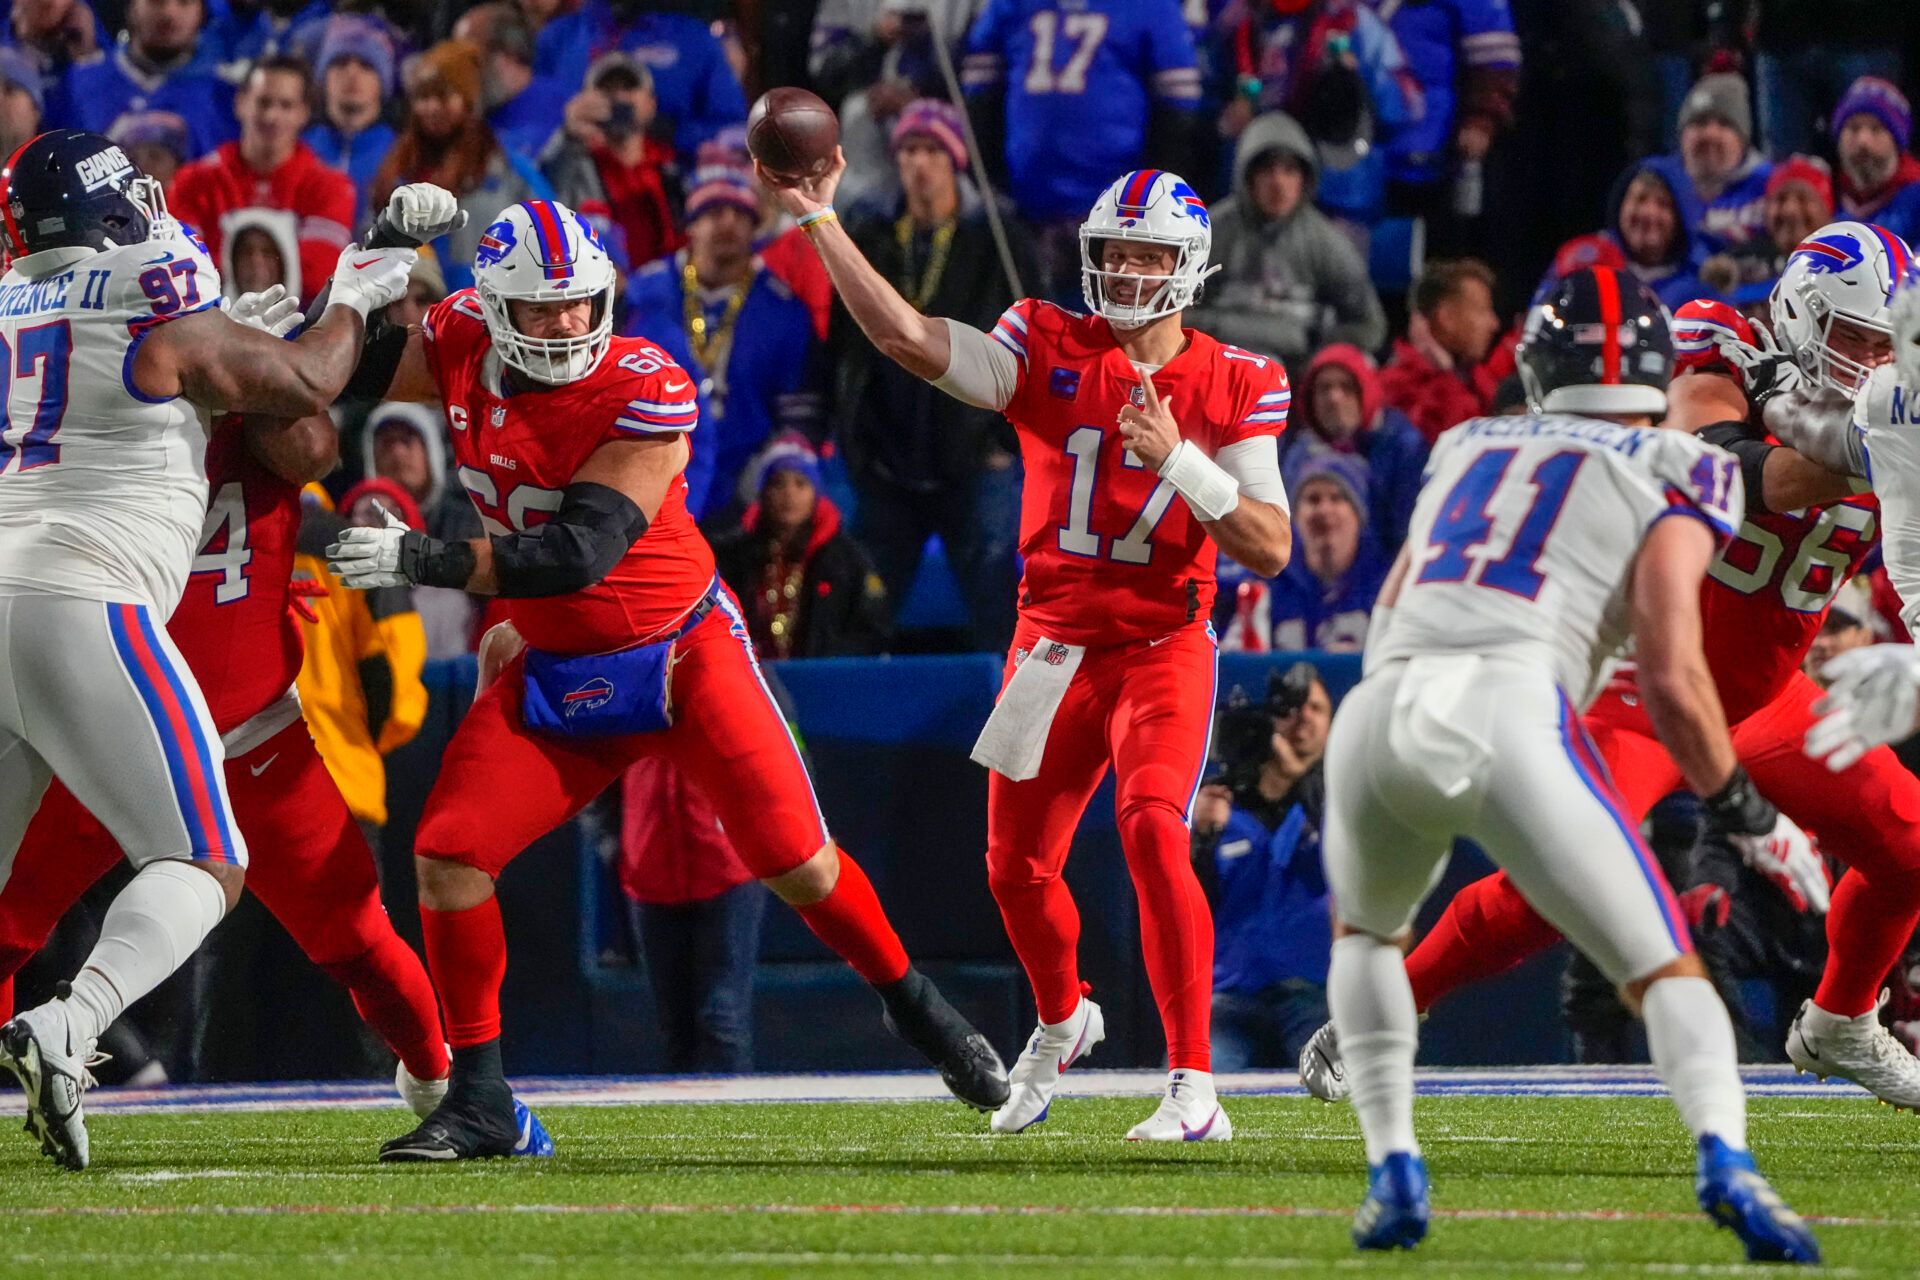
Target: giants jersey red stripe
(1112, 552)
(233, 625)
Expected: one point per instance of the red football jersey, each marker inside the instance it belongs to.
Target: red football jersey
(233, 625)
(1766, 597)
(518, 453)
(1112, 552)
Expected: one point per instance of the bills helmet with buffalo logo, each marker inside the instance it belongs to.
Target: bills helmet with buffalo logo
(542, 251)
(70, 189)
(1147, 206)
(1844, 274)
(1601, 344)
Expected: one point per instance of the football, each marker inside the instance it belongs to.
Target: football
(793, 133)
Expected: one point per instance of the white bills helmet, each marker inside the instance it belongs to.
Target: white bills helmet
(542, 251)
(1147, 206)
(1844, 271)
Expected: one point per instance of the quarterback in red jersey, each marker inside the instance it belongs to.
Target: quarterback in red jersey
(313, 871)
(1148, 447)
(1806, 532)
(572, 444)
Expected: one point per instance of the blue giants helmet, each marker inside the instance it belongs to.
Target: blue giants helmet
(69, 189)
(1147, 206)
(1600, 344)
(542, 251)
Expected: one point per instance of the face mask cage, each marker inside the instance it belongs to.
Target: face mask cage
(554, 361)
(1176, 292)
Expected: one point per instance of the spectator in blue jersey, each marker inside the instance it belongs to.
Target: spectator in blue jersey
(1256, 848)
(155, 67)
(1799, 202)
(698, 93)
(154, 140)
(1324, 598)
(1334, 66)
(746, 335)
(1717, 177)
(1070, 97)
(1644, 235)
(22, 100)
(1289, 280)
(355, 71)
(53, 35)
(1338, 406)
(1466, 57)
(523, 110)
(243, 31)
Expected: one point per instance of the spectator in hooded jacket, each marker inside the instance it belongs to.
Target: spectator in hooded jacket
(1289, 280)
(1879, 180)
(604, 166)
(355, 70)
(699, 93)
(1442, 372)
(405, 444)
(1799, 202)
(1645, 235)
(1717, 178)
(1338, 407)
(270, 168)
(157, 67)
(808, 589)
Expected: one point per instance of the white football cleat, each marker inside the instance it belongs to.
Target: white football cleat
(1857, 1049)
(1188, 1113)
(1323, 1072)
(39, 1049)
(421, 1096)
(1037, 1072)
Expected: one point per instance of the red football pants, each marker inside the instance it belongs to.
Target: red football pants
(312, 869)
(1147, 710)
(1867, 815)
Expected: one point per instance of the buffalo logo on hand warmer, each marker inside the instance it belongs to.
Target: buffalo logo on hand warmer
(495, 244)
(591, 696)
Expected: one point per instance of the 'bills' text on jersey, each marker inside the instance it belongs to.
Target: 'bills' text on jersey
(1112, 552)
(517, 452)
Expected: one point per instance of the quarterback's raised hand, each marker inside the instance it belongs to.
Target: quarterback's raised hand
(809, 195)
(271, 310)
(365, 558)
(1873, 700)
(369, 279)
(424, 211)
(1148, 429)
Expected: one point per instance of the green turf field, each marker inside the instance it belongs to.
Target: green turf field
(1522, 1186)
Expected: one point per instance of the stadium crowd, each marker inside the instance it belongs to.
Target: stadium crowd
(1389, 184)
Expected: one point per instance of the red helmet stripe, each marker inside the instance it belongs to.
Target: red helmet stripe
(1609, 286)
(15, 243)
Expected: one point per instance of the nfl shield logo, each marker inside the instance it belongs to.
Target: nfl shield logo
(499, 415)
(1019, 656)
(1056, 654)
(1139, 397)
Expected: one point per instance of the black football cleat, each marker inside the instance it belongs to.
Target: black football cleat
(921, 1016)
(477, 1119)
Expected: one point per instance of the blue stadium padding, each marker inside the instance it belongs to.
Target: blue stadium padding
(1396, 253)
(933, 600)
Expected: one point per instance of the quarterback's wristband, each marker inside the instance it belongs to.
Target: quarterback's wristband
(807, 221)
(433, 563)
(1740, 808)
(1204, 483)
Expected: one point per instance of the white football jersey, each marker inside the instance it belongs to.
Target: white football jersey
(1526, 529)
(1887, 411)
(102, 489)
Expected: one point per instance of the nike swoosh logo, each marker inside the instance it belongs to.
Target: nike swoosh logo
(364, 263)
(1155, 644)
(257, 769)
(676, 386)
(526, 1133)
(1196, 1135)
(1074, 1056)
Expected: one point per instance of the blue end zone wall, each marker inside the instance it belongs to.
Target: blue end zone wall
(889, 739)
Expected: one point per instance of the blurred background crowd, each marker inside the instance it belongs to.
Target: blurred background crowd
(1390, 183)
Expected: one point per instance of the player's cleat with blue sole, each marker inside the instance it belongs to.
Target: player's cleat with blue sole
(533, 1141)
(479, 1119)
(1734, 1195)
(920, 1015)
(1394, 1214)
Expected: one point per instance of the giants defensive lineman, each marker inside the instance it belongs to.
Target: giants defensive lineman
(115, 349)
(1118, 413)
(1538, 546)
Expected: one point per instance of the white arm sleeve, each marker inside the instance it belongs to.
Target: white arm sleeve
(1255, 466)
(980, 371)
(1893, 457)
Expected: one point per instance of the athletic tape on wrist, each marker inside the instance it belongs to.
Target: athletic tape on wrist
(1204, 483)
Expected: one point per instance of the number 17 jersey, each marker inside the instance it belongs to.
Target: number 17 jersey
(1112, 553)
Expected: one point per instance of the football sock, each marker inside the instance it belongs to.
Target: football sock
(1373, 1013)
(6, 997)
(478, 1063)
(467, 955)
(851, 921)
(1043, 924)
(1868, 926)
(1487, 929)
(1691, 1040)
(163, 914)
(394, 997)
(1176, 930)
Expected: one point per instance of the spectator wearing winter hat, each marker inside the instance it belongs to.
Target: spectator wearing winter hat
(1338, 406)
(524, 110)
(1717, 177)
(747, 336)
(923, 462)
(355, 68)
(1799, 202)
(154, 140)
(23, 100)
(405, 445)
(603, 164)
(447, 142)
(808, 588)
(1879, 180)
(159, 65)
(1324, 598)
(1644, 235)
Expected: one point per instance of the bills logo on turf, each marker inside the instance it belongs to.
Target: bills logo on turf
(496, 242)
(1056, 654)
(1064, 384)
(591, 696)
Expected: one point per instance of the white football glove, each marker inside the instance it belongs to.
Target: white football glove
(1786, 856)
(271, 310)
(364, 558)
(424, 211)
(1904, 320)
(369, 279)
(1817, 423)
(1874, 700)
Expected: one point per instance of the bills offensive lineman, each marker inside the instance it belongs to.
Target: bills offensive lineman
(115, 350)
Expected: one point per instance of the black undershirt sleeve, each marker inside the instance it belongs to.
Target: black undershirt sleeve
(1752, 455)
